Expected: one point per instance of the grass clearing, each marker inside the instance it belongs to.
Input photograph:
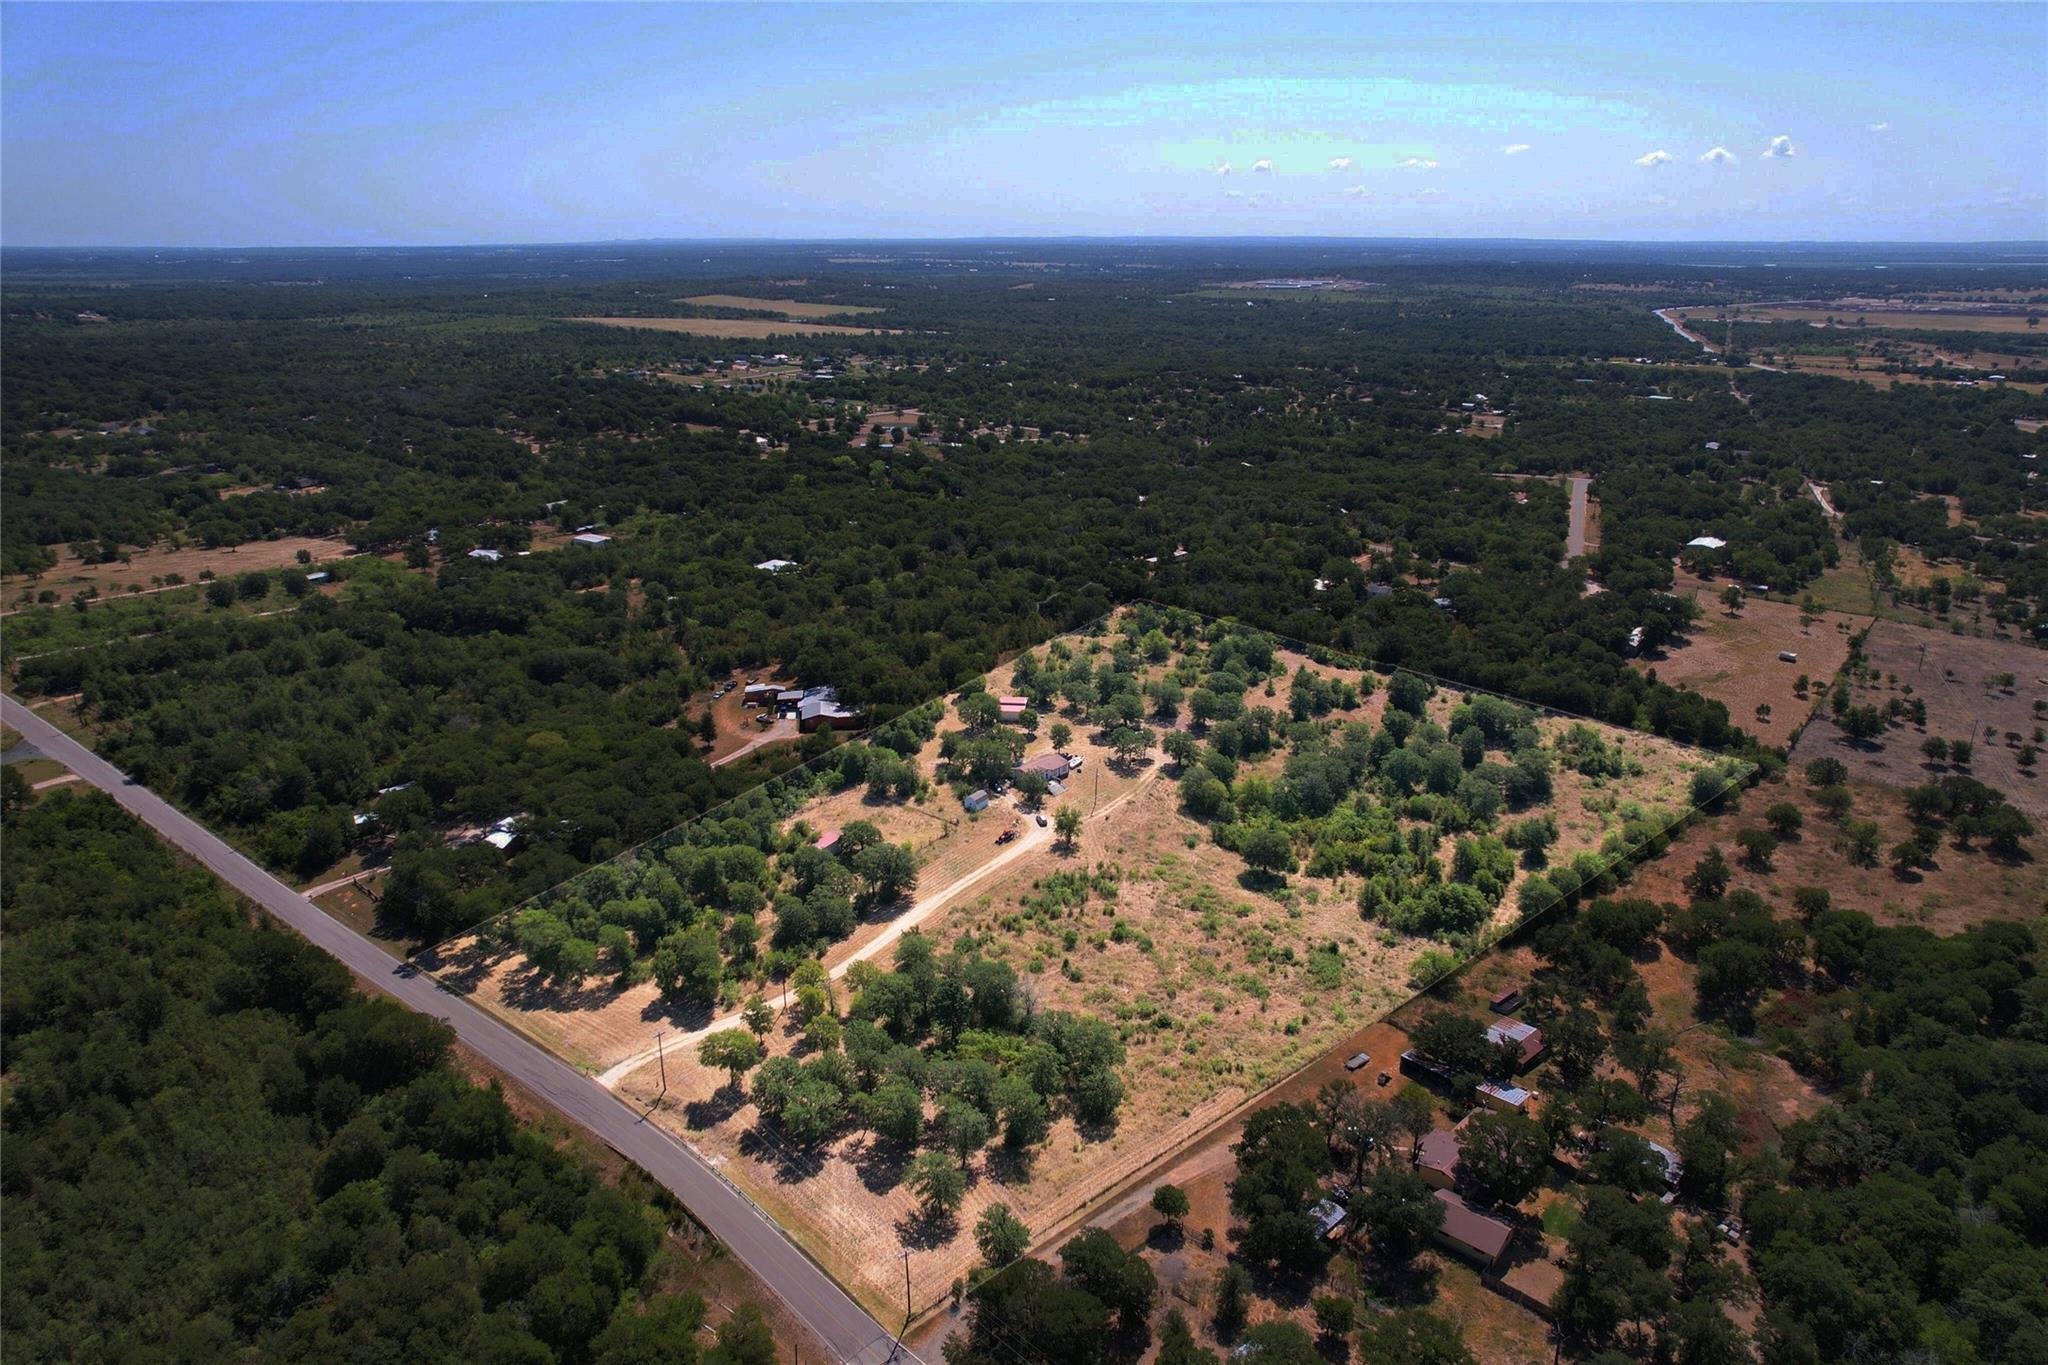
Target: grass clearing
(1220, 982)
(789, 308)
(1734, 659)
(1960, 679)
(150, 570)
(740, 329)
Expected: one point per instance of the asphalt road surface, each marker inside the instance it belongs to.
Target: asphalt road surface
(841, 1324)
(1575, 533)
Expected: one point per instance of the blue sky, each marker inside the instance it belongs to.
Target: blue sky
(240, 125)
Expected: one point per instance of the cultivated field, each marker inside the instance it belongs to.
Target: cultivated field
(1734, 659)
(147, 569)
(1959, 677)
(789, 308)
(740, 329)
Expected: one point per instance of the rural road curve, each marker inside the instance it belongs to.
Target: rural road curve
(917, 914)
(812, 1296)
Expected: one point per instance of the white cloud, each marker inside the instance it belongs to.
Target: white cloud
(1781, 146)
(1416, 163)
(1263, 166)
(1657, 158)
(1340, 163)
(1222, 168)
(1718, 156)
(1358, 190)
(1514, 149)
(1883, 127)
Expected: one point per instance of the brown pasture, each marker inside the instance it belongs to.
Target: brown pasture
(1199, 945)
(789, 308)
(1851, 318)
(1734, 659)
(1956, 676)
(740, 329)
(146, 567)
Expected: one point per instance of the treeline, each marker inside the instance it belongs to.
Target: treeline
(215, 1148)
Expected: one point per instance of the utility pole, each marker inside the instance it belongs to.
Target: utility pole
(896, 1351)
(661, 1055)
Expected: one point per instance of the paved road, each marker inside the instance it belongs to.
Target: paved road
(1575, 534)
(841, 1324)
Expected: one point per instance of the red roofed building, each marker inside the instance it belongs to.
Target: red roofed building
(1514, 1033)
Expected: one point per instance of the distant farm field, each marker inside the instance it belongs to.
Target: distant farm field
(747, 329)
(789, 308)
(1926, 322)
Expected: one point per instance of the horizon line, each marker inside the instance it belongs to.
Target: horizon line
(2040, 243)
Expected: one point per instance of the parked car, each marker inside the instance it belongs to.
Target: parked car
(1006, 835)
(1041, 822)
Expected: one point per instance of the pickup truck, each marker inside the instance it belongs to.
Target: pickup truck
(1005, 837)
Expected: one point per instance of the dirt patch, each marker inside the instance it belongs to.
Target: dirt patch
(789, 308)
(742, 329)
(1734, 659)
(1960, 679)
(150, 569)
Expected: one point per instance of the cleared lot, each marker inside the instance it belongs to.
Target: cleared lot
(1734, 659)
(743, 329)
(1963, 682)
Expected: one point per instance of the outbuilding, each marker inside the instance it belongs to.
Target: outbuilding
(975, 800)
(1527, 1039)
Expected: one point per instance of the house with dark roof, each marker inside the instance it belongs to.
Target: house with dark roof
(1053, 767)
(1479, 1237)
(1436, 1158)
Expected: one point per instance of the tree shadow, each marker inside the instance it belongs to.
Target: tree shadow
(791, 1164)
(715, 1108)
(683, 1015)
(1400, 1284)
(1010, 1166)
(528, 989)
(1261, 883)
(922, 1229)
(1096, 1132)
(881, 1162)
(1166, 1237)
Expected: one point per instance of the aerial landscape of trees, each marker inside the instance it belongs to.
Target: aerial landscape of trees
(1252, 543)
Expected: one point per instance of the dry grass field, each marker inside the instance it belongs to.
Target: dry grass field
(146, 569)
(1867, 370)
(1203, 966)
(1734, 659)
(789, 308)
(1931, 321)
(1960, 678)
(740, 329)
